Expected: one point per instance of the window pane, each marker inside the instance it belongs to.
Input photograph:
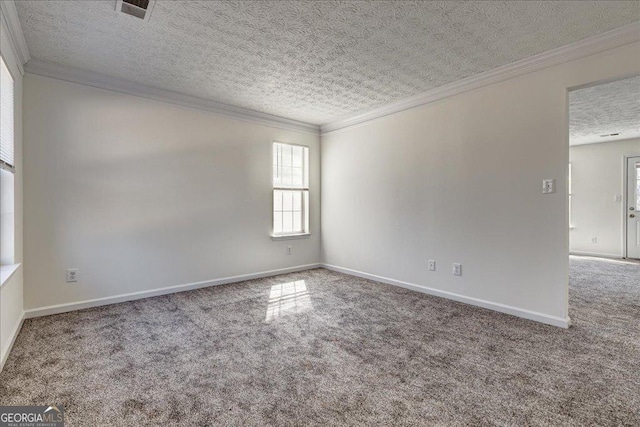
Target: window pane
(297, 156)
(297, 201)
(287, 222)
(306, 168)
(305, 219)
(277, 222)
(297, 222)
(286, 176)
(287, 201)
(296, 177)
(277, 200)
(286, 155)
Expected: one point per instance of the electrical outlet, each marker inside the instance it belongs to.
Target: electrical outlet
(432, 265)
(289, 250)
(72, 275)
(457, 269)
(594, 240)
(548, 186)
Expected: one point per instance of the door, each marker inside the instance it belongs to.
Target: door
(633, 207)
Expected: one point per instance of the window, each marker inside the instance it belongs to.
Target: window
(290, 189)
(7, 168)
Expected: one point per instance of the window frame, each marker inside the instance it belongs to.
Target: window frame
(305, 208)
(8, 263)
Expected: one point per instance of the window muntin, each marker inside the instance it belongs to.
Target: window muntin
(290, 189)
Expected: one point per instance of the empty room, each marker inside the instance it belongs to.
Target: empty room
(292, 213)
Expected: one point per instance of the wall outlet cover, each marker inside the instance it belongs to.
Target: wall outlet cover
(457, 269)
(72, 275)
(432, 265)
(548, 186)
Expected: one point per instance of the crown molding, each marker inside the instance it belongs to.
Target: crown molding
(116, 84)
(11, 22)
(611, 39)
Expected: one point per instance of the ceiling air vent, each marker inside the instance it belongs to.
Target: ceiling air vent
(138, 8)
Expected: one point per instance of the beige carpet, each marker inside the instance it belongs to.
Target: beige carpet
(322, 348)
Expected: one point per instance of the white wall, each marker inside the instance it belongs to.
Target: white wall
(140, 195)
(597, 178)
(459, 180)
(11, 292)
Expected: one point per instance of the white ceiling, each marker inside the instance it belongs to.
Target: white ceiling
(604, 110)
(314, 61)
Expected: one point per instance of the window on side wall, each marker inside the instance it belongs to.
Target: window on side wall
(7, 167)
(290, 190)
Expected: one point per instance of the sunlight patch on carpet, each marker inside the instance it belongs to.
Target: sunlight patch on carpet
(288, 298)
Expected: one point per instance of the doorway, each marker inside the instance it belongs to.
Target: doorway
(604, 151)
(632, 208)
(604, 201)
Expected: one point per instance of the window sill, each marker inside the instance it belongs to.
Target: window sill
(6, 271)
(277, 237)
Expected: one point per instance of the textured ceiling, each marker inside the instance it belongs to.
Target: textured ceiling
(314, 61)
(605, 109)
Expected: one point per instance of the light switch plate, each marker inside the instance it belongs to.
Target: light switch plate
(432, 265)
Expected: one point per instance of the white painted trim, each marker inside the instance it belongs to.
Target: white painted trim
(11, 22)
(116, 84)
(6, 272)
(9, 346)
(625, 203)
(502, 308)
(279, 237)
(80, 305)
(611, 39)
(595, 254)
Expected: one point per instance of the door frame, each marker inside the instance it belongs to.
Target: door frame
(625, 202)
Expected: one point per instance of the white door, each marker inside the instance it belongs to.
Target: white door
(633, 207)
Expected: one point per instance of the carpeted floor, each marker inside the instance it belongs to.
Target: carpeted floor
(322, 348)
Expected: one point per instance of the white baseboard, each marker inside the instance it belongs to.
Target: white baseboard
(63, 308)
(14, 334)
(596, 254)
(502, 308)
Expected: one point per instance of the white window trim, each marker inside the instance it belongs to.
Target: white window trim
(7, 251)
(6, 271)
(305, 209)
(277, 237)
